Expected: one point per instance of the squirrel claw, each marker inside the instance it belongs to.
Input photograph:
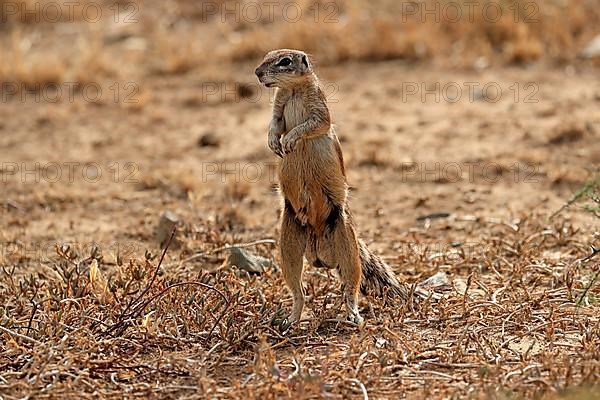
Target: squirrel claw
(286, 325)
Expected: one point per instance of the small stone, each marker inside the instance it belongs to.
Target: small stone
(116, 37)
(246, 261)
(566, 133)
(592, 50)
(438, 215)
(245, 90)
(481, 63)
(168, 220)
(209, 139)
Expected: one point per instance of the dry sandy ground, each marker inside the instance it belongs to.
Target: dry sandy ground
(408, 155)
(519, 159)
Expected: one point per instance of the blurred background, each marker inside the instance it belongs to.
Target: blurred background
(114, 112)
(52, 41)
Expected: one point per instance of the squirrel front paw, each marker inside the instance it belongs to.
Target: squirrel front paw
(275, 145)
(289, 142)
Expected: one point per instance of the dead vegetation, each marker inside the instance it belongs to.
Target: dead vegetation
(88, 325)
(174, 37)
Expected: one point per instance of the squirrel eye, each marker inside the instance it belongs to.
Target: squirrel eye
(284, 62)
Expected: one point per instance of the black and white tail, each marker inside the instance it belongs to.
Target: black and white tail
(378, 277)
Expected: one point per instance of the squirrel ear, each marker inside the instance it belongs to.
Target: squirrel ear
(305, 62)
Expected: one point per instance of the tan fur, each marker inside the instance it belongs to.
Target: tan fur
(316, 221)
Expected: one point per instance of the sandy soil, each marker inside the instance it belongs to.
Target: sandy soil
(409, 154)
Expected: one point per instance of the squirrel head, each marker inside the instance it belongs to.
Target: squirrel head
(284, 68)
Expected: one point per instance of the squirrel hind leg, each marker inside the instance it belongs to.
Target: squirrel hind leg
(342, 246)
(292, 245)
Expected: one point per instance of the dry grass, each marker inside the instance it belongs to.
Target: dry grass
(175, 37)
(88, 324)
(523, 32)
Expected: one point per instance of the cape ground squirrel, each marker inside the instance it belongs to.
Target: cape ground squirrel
(316, 221)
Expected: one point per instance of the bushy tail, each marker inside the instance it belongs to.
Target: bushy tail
(378, 277)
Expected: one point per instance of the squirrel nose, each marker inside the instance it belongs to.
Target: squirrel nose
(259, 72)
